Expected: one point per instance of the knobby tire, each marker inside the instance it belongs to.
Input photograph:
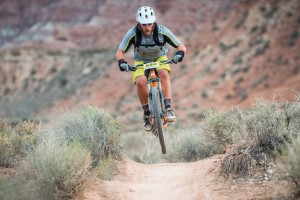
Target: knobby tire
(158, 121)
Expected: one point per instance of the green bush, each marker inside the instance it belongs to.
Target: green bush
(266, 124)
(222, 128)
(93, 128)
(265, 129)
(192, 146)
(60, 159)
(291, 162)
(293, 38)
(292, 115)
(14, 141)
(58, 168)
(17, 190)
(105, 169)
(182, 146)
(6, 147)
(189, 149)
(143, 147)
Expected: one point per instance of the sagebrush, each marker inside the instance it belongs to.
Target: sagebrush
(95, 129)
(15, 140)
(264, 129)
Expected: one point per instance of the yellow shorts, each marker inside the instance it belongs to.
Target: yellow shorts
(140, 72)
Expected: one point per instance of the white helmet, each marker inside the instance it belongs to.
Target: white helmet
(145, 15)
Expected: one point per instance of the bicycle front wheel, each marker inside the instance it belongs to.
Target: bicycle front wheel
(157, 114)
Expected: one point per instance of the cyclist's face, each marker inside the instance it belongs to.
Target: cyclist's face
(147, 29)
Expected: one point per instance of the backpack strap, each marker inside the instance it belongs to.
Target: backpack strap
(155, 36)
(138, 37)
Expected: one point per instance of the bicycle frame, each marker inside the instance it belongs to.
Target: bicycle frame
(153, 81)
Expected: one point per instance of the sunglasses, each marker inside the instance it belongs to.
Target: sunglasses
(147, 24)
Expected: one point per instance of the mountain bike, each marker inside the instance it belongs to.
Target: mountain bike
(155, 99)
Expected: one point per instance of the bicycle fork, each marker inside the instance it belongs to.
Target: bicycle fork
(163, 113)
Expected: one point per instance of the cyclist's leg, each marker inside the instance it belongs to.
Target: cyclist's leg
(164, 75)
(165, 83)
(140, 80)
(141, 88)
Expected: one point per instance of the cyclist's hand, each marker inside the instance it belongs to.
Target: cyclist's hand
(123, 65)
(178, 57)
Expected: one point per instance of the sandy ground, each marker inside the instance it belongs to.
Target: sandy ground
(181, 181)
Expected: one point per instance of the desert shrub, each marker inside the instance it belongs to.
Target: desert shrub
(262, 49)
(268, 127)
(242, 20)
(106, 168)
(29, 132)
(292, 115)
(239, 161)
(5, 143)
(17, 190)
(58, 168)
(190, 149)
(226, 47)
(293, 38)
(222, 128)
(84, 141)
(143, 147)
(291, 162)
(93, 128)
(15, 140)
(204, 94)
(192, 146)
(182, 146)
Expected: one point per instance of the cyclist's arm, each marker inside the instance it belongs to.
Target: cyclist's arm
(120, 54)
(181, 47)
(127, 41)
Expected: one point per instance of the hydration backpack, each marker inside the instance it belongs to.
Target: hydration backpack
(138, 37)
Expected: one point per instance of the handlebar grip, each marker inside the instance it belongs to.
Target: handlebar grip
(131, 68)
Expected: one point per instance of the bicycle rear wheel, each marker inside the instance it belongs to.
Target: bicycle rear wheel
(158, 121)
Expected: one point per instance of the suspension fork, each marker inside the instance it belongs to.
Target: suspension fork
(157, 84)
(153, 81)
(149, 74)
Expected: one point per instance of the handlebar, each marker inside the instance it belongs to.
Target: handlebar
(135, 67)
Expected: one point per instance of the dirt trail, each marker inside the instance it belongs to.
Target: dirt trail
(158, 181)
(177, 181)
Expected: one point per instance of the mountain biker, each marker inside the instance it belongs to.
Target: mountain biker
(149, 40)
